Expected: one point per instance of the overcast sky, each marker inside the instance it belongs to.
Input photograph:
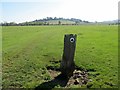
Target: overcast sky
(28, 10)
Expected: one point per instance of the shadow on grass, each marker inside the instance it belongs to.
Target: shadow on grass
(60, 80)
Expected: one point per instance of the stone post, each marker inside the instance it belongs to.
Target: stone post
(67, 65)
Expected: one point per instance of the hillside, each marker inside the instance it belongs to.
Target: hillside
(59, 21)
(55, 21)
(111, 22)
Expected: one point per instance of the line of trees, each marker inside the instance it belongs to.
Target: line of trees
(55, 18)
(8, 24)
(28, 23)
(47, 21)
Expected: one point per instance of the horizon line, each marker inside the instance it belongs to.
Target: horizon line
(53, 18)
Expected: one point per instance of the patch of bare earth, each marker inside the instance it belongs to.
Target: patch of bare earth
(53, 73)
(78, 78)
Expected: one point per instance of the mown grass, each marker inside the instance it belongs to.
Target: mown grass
(27, 50)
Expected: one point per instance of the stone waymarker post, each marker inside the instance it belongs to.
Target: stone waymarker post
(67, 64)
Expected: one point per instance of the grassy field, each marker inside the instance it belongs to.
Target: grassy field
(27, 50)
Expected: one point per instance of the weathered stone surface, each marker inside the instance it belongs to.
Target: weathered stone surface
(76, 81)
(67, 64)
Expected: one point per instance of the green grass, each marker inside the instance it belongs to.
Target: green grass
(28, 49)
